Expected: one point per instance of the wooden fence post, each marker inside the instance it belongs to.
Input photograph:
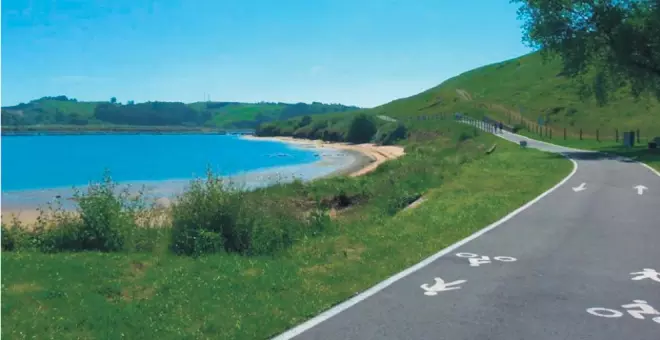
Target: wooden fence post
(597, 135)
(580, 133)
(638, 136)
(564, 133)
(616, 132)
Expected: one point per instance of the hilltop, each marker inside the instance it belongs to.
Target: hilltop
(62, 111)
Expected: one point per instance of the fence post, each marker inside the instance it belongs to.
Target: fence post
(616, 132)
(550, 133)
(638, 136)
(564, 133)
(597, 135)
(580, 133)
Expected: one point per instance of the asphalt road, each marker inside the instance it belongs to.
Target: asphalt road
(547, 267)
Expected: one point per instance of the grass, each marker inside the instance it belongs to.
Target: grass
(91, 295)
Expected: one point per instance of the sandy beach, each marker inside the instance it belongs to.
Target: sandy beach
(360, 159)
(377, 154)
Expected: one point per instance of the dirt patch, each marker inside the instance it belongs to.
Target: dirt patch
(465, 95)
(137, 293)
(22, 288)
(252, 272)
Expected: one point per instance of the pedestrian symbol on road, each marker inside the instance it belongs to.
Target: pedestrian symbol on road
(440, 286)
(643, 308)
(647, 273)
(476, 260)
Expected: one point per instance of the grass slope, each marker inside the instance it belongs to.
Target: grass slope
(143, 295)
(522, 90)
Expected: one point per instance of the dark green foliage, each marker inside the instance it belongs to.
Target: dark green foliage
(620, 39)
(390, 133)
(361, 130)
(151, 114)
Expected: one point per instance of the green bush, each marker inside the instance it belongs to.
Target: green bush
(390, 133)
(210, 217)
(361, 129)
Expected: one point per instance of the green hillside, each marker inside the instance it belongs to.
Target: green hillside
(62, 111)
(521, 93)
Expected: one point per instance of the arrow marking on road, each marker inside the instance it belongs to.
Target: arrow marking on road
(440, 286)
(640, 189)
(580, 188)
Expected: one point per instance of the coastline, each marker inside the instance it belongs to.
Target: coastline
(373, 155)
(335, 159)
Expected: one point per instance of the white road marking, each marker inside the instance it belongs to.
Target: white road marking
(640, 189)
(440, 286)
(505, 258)
(580, 187)
(598, 311)
(644, 308)
(466, 255)
(475, 262)
(297, 330)
(647, 273)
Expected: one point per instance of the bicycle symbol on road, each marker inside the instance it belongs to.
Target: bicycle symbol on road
(642, 305)
(476, 260)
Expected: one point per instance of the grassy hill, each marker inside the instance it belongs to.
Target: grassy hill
(519, 92)
(62, 111)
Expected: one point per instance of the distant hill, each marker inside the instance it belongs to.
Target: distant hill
(62, 111)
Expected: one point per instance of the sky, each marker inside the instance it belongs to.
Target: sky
(354, 52)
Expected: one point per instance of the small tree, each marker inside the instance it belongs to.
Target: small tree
(113, 100)
(361, 130)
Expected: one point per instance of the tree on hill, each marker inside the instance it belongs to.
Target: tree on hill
(361, 130)
(113, 100)
(620, 39)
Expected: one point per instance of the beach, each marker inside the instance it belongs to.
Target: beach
(335, 159)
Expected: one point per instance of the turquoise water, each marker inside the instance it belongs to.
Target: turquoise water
(35, 168)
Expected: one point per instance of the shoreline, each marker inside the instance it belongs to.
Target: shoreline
(332, 163)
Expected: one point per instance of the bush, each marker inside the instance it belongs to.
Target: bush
(361, 129)
(390, 133)
(210, 217)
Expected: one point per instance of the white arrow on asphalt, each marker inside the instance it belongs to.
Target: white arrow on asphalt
(580, 188)
(640, 189)
(440, 286)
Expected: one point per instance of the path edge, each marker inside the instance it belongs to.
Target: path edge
(329, 313)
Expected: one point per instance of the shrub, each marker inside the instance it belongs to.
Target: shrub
(361, 129)
(390, 133)
(210, 217)
(105, 220)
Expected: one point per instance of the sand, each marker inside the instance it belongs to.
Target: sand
(377, 153)
(367, 157)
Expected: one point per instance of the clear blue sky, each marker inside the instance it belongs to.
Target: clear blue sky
(359, 52)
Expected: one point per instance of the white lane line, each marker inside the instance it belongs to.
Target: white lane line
(297, 330)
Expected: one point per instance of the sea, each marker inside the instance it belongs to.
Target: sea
(37, 169)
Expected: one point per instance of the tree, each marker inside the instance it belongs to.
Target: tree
(619, 39)
(361, 130)
(113, 100)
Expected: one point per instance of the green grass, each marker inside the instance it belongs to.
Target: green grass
(93, 295)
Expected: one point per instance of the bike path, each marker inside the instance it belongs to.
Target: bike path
(574, 250)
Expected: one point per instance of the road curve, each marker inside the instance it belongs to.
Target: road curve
(576, 263)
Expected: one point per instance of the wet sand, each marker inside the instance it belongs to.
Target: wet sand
(335, 159)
